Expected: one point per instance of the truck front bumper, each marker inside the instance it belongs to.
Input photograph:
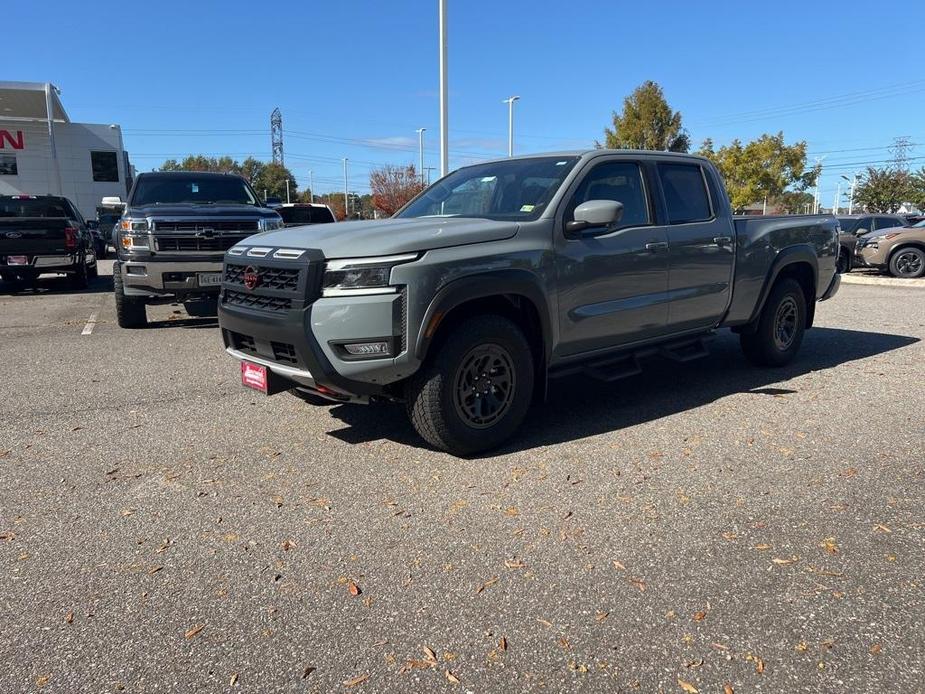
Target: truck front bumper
(306, 345)
(152, 278)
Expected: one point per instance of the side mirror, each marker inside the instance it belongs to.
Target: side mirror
(860, 231)
(595, 214)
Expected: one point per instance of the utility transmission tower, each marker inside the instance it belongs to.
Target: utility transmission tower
(276, 136)
(900, 152)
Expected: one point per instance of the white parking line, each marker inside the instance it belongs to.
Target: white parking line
(91, 321)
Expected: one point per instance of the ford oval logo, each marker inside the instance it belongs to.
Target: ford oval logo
(251, 277)
(13, 235)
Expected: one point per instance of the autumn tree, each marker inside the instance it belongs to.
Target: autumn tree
(393, 186)
(766, 168)
(647, 122)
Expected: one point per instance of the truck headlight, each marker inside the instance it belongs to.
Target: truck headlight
(270, 223)
(361, 275)
(134, 243)
(134, 225)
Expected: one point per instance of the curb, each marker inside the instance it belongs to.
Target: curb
(854, 278)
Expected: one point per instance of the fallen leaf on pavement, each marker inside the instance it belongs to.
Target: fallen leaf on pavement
(544, 622)
(601, 616)
(234, 679)
(42, 680)
(729, 536)
(431, 656)
(487, 584)
(564, 644)
(155, 569)
(502, 644)
(727, 689)
(639, 583)
(193, 631)
(801, 647)
(511, 511)
(759, 665)
(778, 560)
(875, 649)
(514, 563)
(828, 544)
(850, 472)
(451, 677)
(882, 528)
(687, 686)
(700, 616)
(354, 681)
(309, 670)
(354, 589)
(618, 565)
(763, 546)
(69, 617)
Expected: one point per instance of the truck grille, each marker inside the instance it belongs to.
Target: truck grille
(256, 301)
(249, 225)
(283, 279)
(185, 244)
(284, 352)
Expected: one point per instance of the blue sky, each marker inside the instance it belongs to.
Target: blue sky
(356, 79)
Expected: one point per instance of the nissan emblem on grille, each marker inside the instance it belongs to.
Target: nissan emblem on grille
(251, 277)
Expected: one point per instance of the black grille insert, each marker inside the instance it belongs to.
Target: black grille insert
(284, 352)
(281, 278)
(167, 244)
(263, 303)
(207, 225)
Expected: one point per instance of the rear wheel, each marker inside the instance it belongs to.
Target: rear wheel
(130, 310)
(908, 262)
(780, 328)
(475, 389)
(80, 278)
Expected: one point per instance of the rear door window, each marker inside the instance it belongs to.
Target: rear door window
(685, 192)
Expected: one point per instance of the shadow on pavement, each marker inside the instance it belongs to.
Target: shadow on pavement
(579, 407)
(61, 284)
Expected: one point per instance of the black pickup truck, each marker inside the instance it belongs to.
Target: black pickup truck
(173, 236)
(44, 234)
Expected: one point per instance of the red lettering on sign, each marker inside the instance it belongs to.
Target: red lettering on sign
(15, 142)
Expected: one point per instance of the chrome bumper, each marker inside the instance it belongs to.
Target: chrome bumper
(146, 277)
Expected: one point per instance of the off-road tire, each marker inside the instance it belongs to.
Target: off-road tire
(899, 262)
(763, 347)
(431, 394)
(130, 310)
(94, 270)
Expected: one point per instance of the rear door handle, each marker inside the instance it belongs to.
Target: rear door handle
(722, 240)
(656, 246)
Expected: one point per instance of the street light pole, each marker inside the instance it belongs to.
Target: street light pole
(510, 124)
(287, 192)
(837, 198)
(854, 181)
(311, 185)
(421, 150)
(346, 201)
(444, 102)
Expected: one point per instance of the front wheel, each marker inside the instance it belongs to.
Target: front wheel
(779, 333)
(130, 310)
(908, 263)
(475, 388)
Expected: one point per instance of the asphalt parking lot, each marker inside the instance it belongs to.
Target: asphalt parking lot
(697, 527)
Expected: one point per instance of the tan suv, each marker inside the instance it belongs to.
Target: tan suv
(900, 251)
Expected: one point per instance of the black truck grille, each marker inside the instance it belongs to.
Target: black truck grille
(262, 303)
(167, 244)
(249, 225)
(279, 278)
(282, 352)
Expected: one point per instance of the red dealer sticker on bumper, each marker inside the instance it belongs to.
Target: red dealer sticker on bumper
(254, 376)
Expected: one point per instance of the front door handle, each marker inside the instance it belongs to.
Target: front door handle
(656, 246)
(722, 240)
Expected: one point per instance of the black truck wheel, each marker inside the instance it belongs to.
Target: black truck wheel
(80, 278)
(130, 310)
(474, 390)
(780, 328)
(908, 262)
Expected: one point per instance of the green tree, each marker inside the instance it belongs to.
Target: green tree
(647, 122)
(885, 189)
(794, 202)
(917, 188)
(765, 168)
(271, 179)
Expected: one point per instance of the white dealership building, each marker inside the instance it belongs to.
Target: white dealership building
(43, 153)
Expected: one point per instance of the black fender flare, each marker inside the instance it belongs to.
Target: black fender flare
(479, 286)
(791, 255)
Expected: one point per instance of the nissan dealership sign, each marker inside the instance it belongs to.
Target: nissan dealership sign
(15, 141)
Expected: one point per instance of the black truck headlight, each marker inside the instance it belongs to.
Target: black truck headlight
(270, 223)
(355, 276)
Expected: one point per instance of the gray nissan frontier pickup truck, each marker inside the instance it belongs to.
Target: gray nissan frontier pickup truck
(504, 274)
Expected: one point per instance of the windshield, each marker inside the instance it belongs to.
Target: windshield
(167, 190)
(305, 215)
(517, 190)
(848, 224)
(919, 225)
(12, 207)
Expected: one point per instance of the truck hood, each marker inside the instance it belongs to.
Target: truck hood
(205, 211)
(386, 237)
